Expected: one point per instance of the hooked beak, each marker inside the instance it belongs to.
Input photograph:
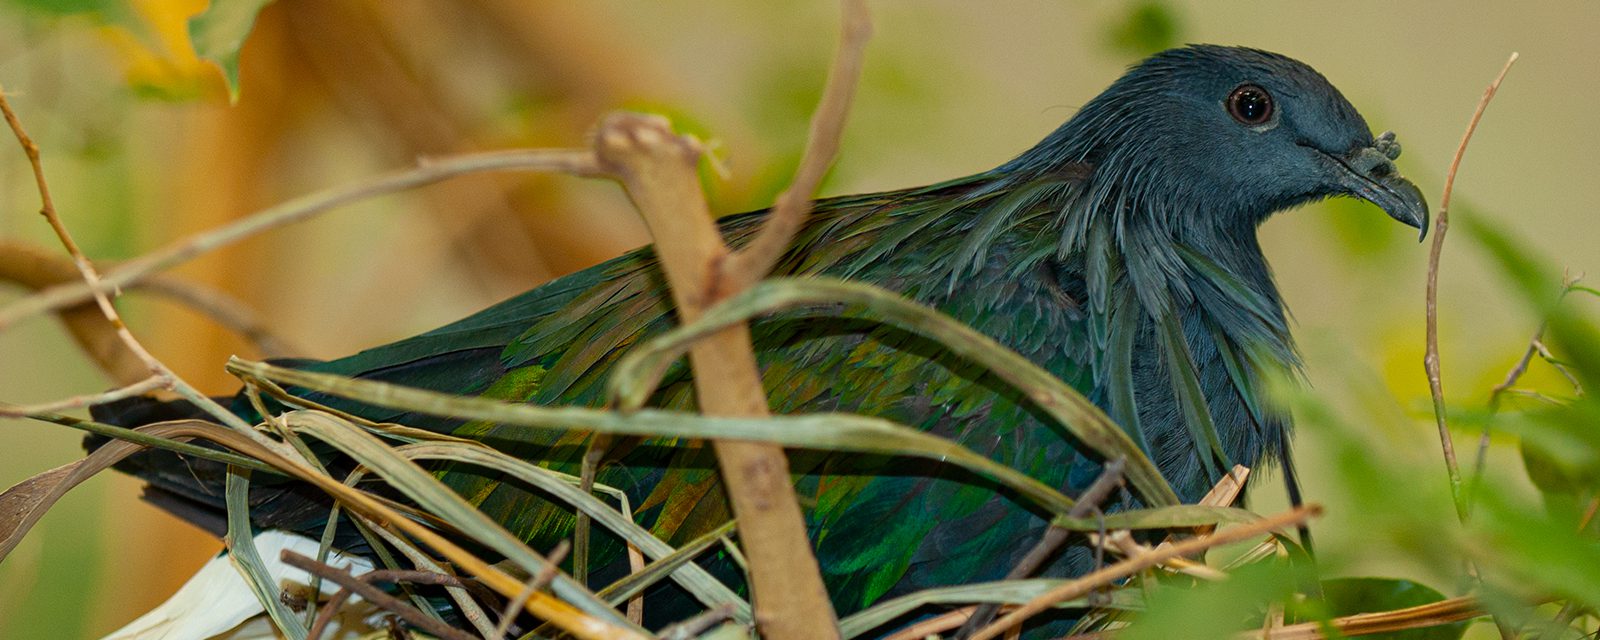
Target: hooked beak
(1369, 173)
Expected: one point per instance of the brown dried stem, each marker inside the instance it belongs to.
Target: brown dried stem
(658, 168)
(538, 582)
(756, 259)
(936, 625)
(1089, 501)
(98, 290)
(1430, 361)
(1080, 586)
(1432, 614)
(693, 627)
(363, 587)
(139, 388)
(544, 606)
(34, 269)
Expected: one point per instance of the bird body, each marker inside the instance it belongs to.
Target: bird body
(1119, 254)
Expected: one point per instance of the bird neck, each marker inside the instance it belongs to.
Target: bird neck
(1171, 256)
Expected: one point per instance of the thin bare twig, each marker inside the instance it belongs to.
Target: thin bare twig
(1507, 386)
(1432, 614)
(428, 170)
(1560, 367)
(1110, 479)
(363, 587)
(539, 581)
(936, 625)
(98, 290)
(1130, 566)
(693, 627)
(1430, 361)
(757, 258)
(78, 402)
(636, 564)
(34, 269)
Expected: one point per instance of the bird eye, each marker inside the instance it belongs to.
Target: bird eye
(1250, 104)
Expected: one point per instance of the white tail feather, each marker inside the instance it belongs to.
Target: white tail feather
(217, 602)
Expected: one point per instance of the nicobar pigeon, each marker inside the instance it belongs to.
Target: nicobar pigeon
(1119, 253)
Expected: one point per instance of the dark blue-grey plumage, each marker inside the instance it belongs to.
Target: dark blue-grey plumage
(1120, 253)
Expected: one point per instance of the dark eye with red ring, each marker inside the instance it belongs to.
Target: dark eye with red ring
(1250, 104)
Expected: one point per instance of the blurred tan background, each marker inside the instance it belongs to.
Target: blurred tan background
(142, 147)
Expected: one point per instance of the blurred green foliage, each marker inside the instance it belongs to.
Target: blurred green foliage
(96, 8)
(219, 33)
(1145, 28)
(1347, 596)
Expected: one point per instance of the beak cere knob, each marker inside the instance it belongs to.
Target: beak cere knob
(1387, 145)
(1369, 173)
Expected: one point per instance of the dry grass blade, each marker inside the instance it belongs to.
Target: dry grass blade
(246, 558)
(1179, 516)
(637, 374)
(22, 505)
(546, 607)
(820, 431)
(421, 487)
(1006, 592)
(638, 581)
(1080, 586)
(691, 577)
(1430, 360)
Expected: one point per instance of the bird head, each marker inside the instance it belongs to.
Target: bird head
(1217, 136)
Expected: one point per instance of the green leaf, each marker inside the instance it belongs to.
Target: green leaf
(1517, 543)
(219, 33)
(1348, 596)
(1560, 447)
(1214, 609)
